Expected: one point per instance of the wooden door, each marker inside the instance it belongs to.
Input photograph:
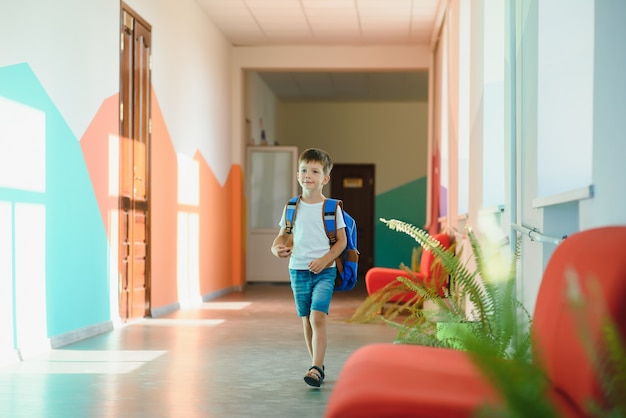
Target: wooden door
(354, 184)
(134, 205)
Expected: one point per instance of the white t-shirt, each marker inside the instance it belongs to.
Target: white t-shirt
(309, 223)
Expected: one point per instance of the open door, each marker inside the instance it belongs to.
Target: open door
(134, 228)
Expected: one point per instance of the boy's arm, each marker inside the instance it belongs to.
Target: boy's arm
(339, 245)
(335, 251)
(280, 246)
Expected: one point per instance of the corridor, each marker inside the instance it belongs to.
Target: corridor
(241, 355)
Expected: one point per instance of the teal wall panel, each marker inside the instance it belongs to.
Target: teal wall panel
(76, 247)
(406, 203)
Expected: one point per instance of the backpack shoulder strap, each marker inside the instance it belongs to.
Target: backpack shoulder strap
(330, 218)
(290, 213)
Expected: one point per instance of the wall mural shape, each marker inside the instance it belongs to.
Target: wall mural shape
(393, 248)
(78, 206)
(196, 248)
(73, 235)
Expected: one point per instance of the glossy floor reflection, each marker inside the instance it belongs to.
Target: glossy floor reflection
(242, 355)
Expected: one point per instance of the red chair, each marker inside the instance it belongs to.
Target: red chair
(378, 277)
(397, 380)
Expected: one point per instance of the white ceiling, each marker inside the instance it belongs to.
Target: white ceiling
(323, 22)
(330, 22)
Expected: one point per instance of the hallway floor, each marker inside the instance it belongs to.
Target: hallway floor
(241, 355)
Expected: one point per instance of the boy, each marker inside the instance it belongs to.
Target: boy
(312, 268)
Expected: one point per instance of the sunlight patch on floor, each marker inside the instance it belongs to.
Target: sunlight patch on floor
(85, 362)
(226, 306)
(178, 322)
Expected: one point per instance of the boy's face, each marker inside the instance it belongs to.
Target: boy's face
(311, 176)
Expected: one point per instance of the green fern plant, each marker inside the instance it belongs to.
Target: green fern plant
(493, 303)
(613, 372)
(610, 363)
(523, 385)
(381, 303)
(499, 331)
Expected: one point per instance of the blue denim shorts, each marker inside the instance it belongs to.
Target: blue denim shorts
(312, 292)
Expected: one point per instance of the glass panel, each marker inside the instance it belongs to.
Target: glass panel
(271, 180)
(493, 105)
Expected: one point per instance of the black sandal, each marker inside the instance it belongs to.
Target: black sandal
(312, 381)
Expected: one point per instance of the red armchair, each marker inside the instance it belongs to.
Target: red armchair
(378, 277)
(396, 380)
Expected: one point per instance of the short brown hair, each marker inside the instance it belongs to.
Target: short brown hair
(317, 155)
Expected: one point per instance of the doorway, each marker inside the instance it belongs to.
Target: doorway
(134, 169)
(354, 184)
(270, 183)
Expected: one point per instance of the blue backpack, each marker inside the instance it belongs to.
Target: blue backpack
(348, 261)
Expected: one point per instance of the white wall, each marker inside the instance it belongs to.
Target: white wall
(580, 85)
(565, 95)
(608, 205)
(67, 44)
(532, 262)
(312, 58)
(569, 105)
(486, 107)
(393, 135)
(476, 110)
(45, 34)
(260, 105)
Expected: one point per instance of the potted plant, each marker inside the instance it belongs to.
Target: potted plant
(495, 329)
(481, 302)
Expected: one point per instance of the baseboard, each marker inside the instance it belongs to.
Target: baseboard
(221, 292)
(80, 334)
(164, 310)
(92, 330)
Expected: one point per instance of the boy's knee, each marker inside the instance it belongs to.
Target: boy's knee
(317, 318)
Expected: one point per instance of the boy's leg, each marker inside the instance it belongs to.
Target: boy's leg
(320, 303)
(302, 287)
(319, 340)
(308, 335)
(314, 327)
(312, 293)
(317, 348)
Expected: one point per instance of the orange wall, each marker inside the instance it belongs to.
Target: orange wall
(220, 229)
(164, 210)
(95, 145)
(221, 216)
(235, 186)
(220, 212)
